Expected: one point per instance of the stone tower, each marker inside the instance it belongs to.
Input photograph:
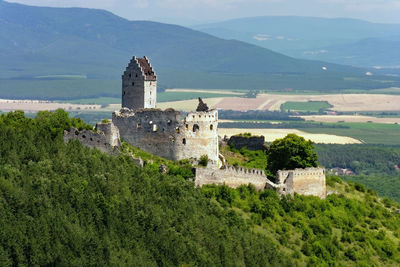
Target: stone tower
(139, 85)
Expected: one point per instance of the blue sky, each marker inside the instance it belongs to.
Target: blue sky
(199, 11)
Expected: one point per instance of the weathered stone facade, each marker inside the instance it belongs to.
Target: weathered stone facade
(231, 176)
(310, 181)
(250, 142)
(139, 85)
(166, 134)
(105, 139)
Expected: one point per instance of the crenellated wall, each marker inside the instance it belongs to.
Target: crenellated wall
(231, 176)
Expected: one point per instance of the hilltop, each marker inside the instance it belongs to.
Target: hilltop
(65, 204)
(67, 53)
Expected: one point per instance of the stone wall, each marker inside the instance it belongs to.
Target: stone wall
(231, 176)
(251, 143)
(310, 181)
(137, 91)
(165, 134)
(92, 139)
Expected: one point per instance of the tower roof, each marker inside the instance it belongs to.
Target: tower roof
(147, 69)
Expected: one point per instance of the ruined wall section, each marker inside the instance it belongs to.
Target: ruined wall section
(309, 181)
(231, 176)
(92, 139)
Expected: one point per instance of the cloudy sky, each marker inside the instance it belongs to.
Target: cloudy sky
(198, 11)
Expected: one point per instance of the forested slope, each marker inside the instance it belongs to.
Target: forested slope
(67, 205)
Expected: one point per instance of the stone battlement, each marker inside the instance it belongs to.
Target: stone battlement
(231, 176)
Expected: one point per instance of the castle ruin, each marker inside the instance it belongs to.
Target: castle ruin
(171, 135)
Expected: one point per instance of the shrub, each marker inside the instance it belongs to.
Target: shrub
(203, 160)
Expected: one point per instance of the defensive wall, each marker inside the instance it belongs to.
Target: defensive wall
(309, 181)
(106, 140)
(230, 176)
(166, 134)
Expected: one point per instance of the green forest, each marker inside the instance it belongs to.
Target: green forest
(67, 205)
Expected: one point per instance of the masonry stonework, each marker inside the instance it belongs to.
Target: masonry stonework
(310, 181)
(139, 85)
(231, 176)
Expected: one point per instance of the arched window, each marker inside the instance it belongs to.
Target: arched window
(196, 128)
(211, 127)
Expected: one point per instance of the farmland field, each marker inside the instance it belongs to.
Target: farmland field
(312, 106)
(272, 134)
(369, 133)
(351, 118)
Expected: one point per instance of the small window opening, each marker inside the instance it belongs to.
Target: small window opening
(196, 128)
(124, 93)
(184, 141)
(133, 83)
(155, 128)
(130, 75)
(211, 127)
(187, 126)
(91, 139)
(83, 136)
(136, 75)
(139, 126)
(177, 130)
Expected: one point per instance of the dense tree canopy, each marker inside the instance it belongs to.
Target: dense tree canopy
(291, 152)
(67, 205)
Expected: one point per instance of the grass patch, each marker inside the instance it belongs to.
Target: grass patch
(310, 106)
(368, 133)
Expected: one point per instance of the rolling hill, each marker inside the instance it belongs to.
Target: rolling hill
(66, 53)
(343, 41)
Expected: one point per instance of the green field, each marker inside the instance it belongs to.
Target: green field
(310, 106)
(368, 133)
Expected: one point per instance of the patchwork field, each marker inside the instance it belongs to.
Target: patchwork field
(272, 134)
(350, 118)
(340, 102)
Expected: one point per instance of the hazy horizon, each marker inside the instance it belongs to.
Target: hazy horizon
(189, 12)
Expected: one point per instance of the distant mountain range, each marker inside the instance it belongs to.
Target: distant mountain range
(343, 41)
(75, 52)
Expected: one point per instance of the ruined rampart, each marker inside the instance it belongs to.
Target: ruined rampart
(106, 142)
(231, 176)
(310, 181)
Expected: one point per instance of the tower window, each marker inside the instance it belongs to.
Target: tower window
(130, 75)
(133, 83)
(155, 128)
(196, 128)
(211, 127)
(139, 126)
(184, 141)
